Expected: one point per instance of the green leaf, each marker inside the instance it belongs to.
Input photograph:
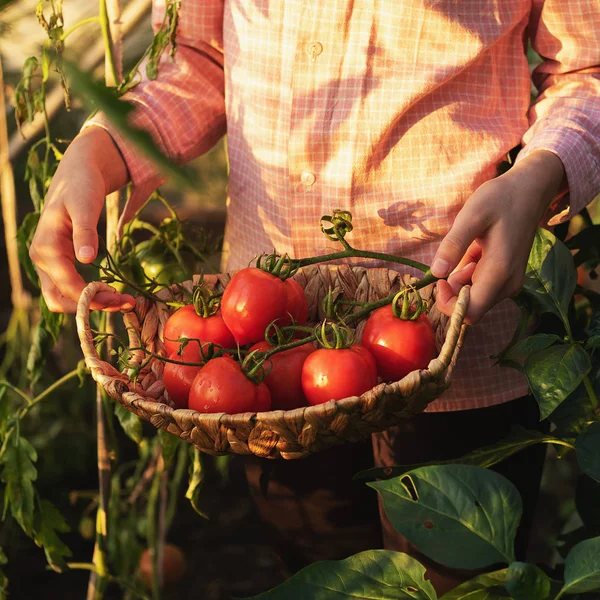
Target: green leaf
(587, 448)
(370, 575)
(52, 322)
(550, 277)
(196, 480)
(522, 349)
(461, 516)
(554, 373)
(24, 239)
(3, 578)
(527, 582)
(130, 422)
(593, 343)
(582, 568)
(488, 586)
(5, 409)
(17, 458)
(574, 414)
(97, 96)
(517, 440)
(168, 445)
(48, 523)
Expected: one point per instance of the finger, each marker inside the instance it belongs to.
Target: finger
(472, 255)
(55, 301)
(84, 218)
(447, 291)
(467, 226)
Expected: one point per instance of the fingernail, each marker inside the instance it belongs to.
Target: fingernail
(127, 306)
(86, 252)
(440, 267)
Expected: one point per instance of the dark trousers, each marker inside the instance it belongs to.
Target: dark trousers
(313, 510)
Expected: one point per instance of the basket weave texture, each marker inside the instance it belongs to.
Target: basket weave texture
(276, 434)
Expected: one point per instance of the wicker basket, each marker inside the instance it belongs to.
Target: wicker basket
(277, 434)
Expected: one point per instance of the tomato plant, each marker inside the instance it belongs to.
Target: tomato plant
(398, 345)
(284, 378)
(222, 386)
(187, 323)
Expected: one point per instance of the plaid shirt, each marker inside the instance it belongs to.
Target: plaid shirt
(397, 110)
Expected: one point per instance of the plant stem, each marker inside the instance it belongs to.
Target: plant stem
(67, 33)
(112, 70)
(354, 253)
(70, 375)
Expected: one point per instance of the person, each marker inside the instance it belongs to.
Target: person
(401, 112)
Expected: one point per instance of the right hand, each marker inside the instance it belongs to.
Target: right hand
(91, 168)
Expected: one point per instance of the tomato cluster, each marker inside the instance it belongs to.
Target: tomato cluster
(391, 347)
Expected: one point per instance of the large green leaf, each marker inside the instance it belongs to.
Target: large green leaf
(17, 458)
(525, 581)
(370, 575)
(582, 568)
(488, 586)
(462, 516)
(554, 373)
(48, 523)
(587, 447)
(534, 343)
(574, 414)
(517, 440)
(550, 277)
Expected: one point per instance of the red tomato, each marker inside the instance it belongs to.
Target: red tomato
(285, 377)
(335, 374)
(184, 322)
(252, 300)
(178, 380)
(398, 346)
(221, 386)
(297, 306)
(173, 566)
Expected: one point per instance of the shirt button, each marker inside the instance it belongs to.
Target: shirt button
(313, 49)
(307, 178)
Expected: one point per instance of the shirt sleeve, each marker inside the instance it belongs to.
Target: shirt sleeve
(565, 118)
(183, 108)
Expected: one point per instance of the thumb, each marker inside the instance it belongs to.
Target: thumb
(456, 243)
(85, 233)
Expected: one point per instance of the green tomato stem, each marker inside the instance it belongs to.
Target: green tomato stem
(353, 253)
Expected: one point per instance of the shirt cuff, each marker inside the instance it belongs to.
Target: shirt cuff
(144, 176)
(572, 145)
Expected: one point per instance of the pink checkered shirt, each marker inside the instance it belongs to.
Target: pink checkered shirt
(396, 110)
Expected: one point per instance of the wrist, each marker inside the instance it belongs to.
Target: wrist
(95, 146)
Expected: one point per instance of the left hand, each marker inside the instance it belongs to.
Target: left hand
(490, 240)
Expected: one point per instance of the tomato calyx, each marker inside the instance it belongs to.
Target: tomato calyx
(412, 305)
(340, 224)
(279, 265)
(334, 336)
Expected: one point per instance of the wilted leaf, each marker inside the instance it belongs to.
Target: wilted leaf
(554, 373)
(373, 575)
(461, 516)
(48, 523)
(24, 239)
(196, 481)
(168, 445)
(17, 458)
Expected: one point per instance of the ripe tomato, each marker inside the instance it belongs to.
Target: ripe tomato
(184, 322)
(252, 300)
(330, 374)
(297, 306)
(178, 380)
(173, 566)
(221, 386)
(398, 346)
(285, 377)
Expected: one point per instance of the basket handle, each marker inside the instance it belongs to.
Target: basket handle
(98, 367)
